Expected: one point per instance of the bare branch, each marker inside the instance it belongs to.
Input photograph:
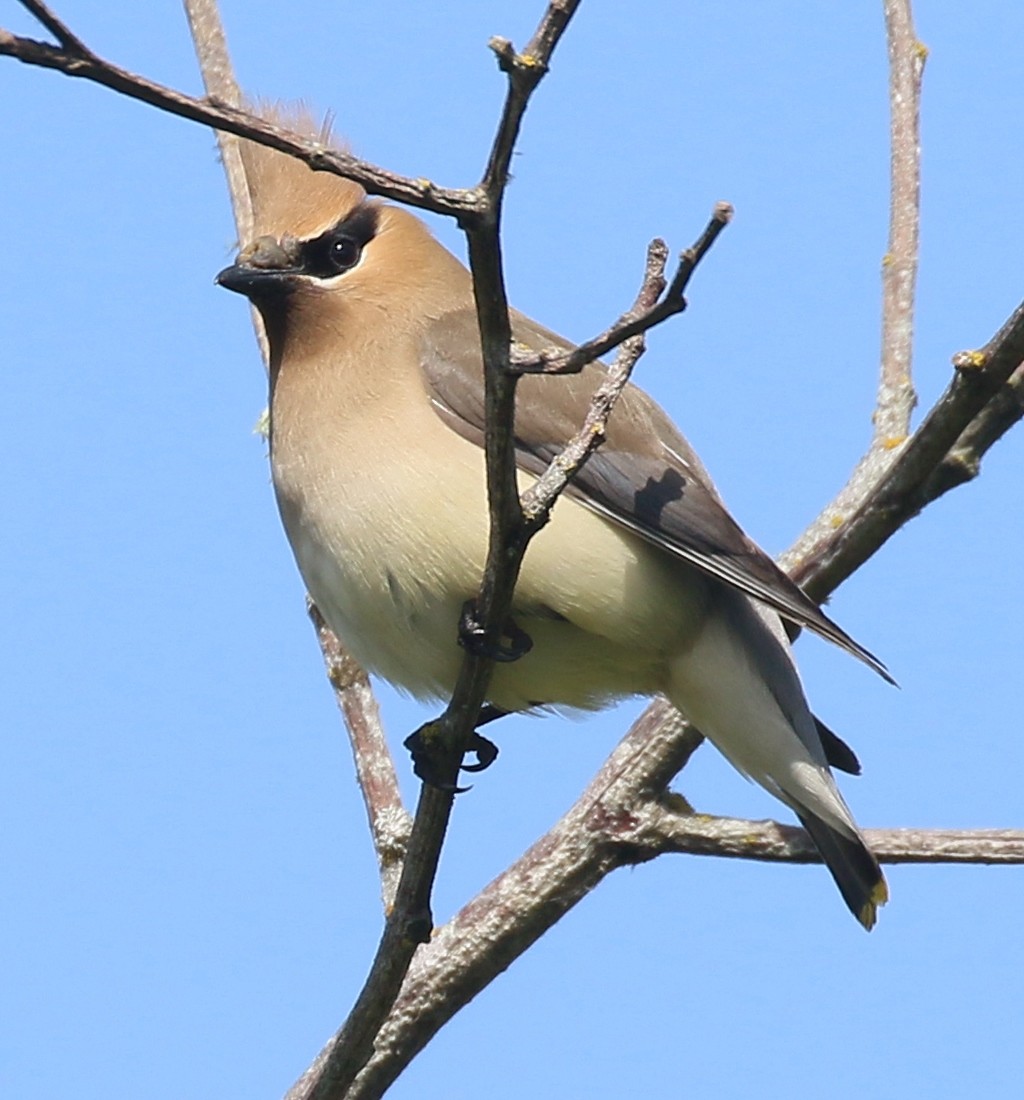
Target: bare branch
(464, 205)
(982, 379)
(661, 829)
(524, 71)
(988, 847)
(510, 914)
(628, 334)
(410, 921)
(70, 41)
(388, 818)
(963, 462)
(896, 397)
(636, 321)
(624, 817)
(538, 500)
(219, 80)
(221, 86)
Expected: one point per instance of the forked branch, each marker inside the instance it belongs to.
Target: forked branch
(896, 396)
(627, 814)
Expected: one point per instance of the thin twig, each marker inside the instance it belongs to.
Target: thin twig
(537, 500)
(464, 205)
(963, 462)
(628, 334)
(896, 396)
(389, 821)
(980, 380)
(221, 85)
(555, 361)
(64, 35)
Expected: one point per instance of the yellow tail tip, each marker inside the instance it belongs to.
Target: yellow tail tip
(869, 911)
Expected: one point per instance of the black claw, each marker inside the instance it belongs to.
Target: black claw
(428, 757)
(473, 637)
(486, 753)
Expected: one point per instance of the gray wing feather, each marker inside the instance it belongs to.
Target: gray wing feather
(645, 476)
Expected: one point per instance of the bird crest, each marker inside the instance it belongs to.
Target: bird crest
(288, 197)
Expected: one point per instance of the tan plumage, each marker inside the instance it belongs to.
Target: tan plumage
(641, 582)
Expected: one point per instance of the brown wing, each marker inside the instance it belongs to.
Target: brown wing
(645, 476)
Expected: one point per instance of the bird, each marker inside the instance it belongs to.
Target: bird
(641, 583)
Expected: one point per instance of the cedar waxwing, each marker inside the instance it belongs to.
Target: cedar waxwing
(641, 583)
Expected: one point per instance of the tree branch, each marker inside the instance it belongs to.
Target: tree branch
(980, 391)
(221, 85)
(628, 335)
(662, 830)
(409, 923)
(389, 821)
(67, 39)
(538, 499)
(626, 816)
(510, 914)
(896, 397)
(464, 205)
(375, 770)
(636, 321)
(963, 461)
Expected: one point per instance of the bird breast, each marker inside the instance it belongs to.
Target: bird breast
(386, 513)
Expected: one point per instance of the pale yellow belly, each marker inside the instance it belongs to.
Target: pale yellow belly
(390, 561)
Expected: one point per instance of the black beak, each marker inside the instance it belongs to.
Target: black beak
(264, 269)
(256, 282)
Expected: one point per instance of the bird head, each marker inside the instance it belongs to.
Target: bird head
(326, 260)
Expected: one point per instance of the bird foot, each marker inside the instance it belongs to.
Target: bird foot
(473, 637)
(429, 757)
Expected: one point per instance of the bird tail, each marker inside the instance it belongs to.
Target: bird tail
(737, 683)
(851, 863)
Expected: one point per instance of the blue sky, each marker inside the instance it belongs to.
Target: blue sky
(189, 894)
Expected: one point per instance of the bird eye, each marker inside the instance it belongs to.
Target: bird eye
(344, 252)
